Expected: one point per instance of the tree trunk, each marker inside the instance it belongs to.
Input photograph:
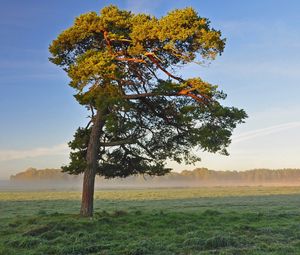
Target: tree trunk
(92, 164)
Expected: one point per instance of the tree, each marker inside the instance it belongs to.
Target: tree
(123, 68)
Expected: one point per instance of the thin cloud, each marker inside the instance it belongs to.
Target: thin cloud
(144, 6)
(63, 149)
(264, 131)
(250, 68)
(60, 149)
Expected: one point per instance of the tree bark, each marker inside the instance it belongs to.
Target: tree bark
(87, 202)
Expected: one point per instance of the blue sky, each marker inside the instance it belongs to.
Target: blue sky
(259, 70)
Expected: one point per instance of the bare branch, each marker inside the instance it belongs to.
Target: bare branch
(105, 34)
(92, 110)
(88, 125)
(152, 57)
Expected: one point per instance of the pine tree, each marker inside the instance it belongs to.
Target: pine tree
(123, 68)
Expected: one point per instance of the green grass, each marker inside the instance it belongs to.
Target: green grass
(244, 220)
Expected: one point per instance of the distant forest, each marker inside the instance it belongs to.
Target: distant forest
(196, 177)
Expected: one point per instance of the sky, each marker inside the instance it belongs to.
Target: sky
(259, 70)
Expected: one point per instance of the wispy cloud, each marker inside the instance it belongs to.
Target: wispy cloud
(264, 69)
(264, 131)
(144, 6)
(60, 149)
(63, 149)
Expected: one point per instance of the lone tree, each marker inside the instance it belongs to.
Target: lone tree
(123, 68)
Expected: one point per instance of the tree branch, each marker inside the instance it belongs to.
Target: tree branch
(155, 60)
(146, 149)
(88, 125)
(119, 142)
(151, 94)
(136, 60)
(92, 110)
(152, 57)
(105, 34)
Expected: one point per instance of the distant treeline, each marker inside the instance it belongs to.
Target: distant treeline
(33, 174)
(196, 177)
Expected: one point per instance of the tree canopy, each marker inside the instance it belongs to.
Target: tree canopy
(124, 65)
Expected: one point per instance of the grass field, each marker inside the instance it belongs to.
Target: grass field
(241, 220)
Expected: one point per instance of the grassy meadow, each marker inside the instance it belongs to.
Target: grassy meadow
(237, 220)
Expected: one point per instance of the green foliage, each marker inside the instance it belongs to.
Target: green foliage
(79, 147)
(120, 61)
